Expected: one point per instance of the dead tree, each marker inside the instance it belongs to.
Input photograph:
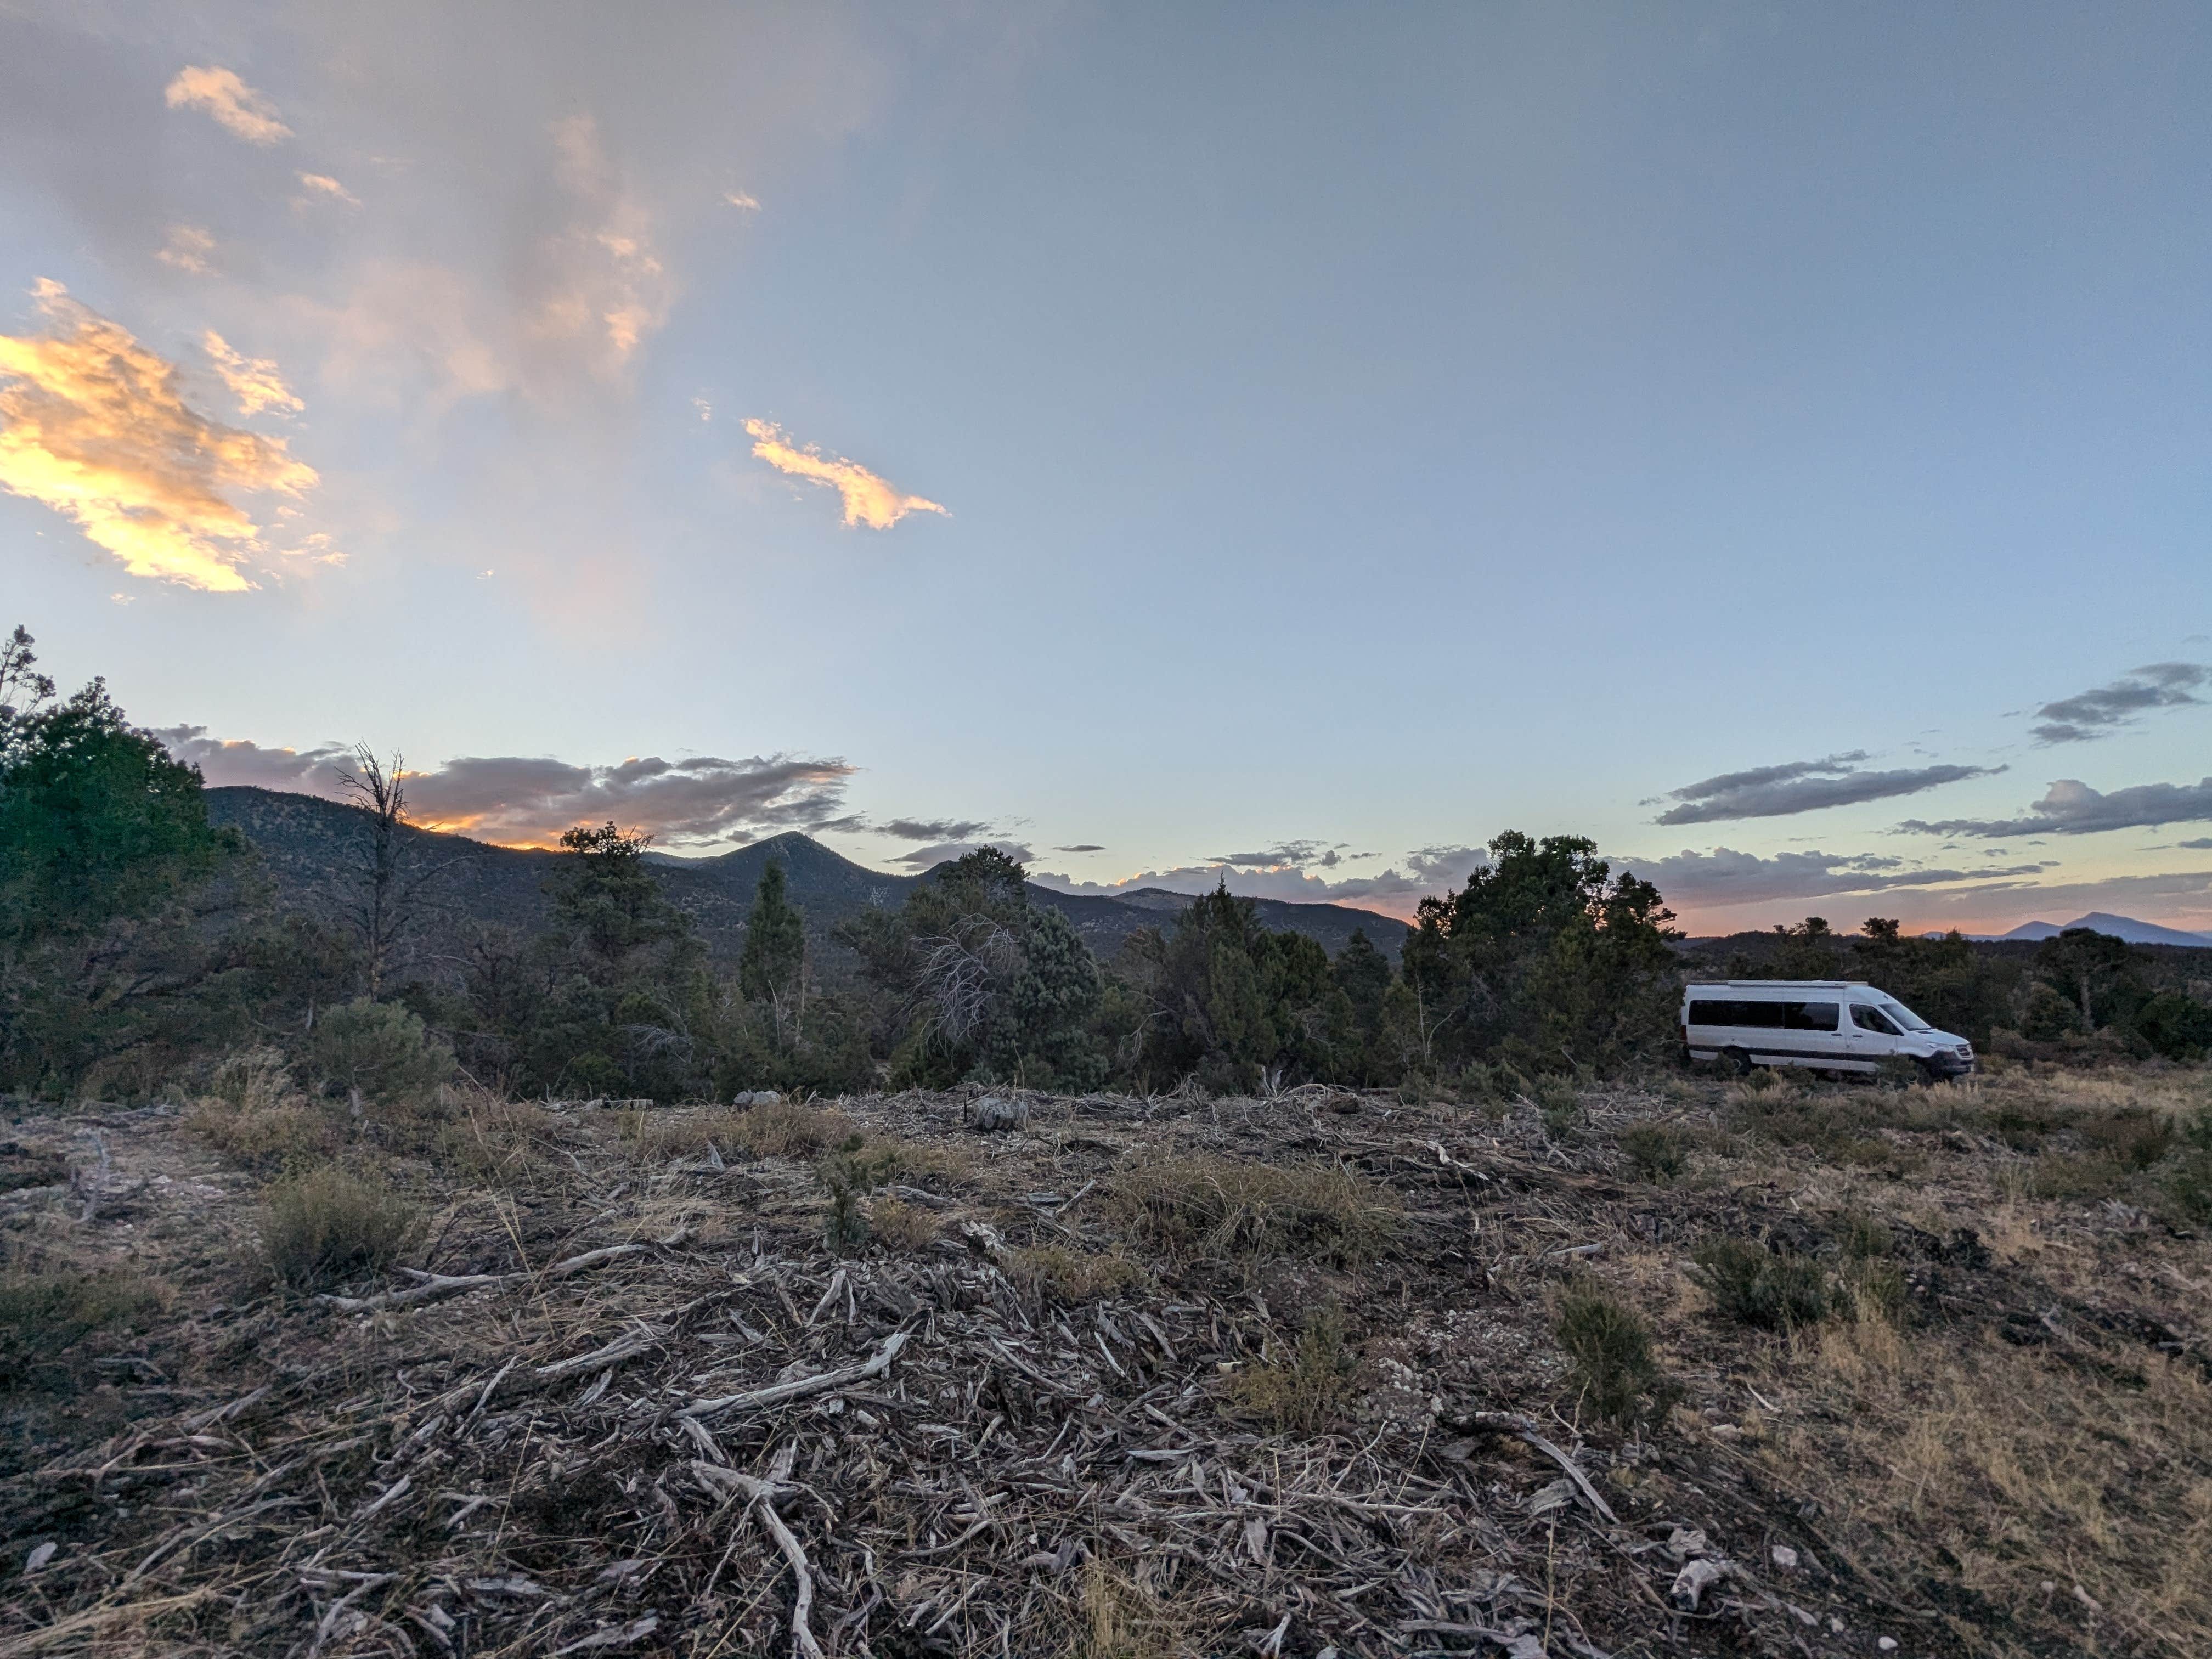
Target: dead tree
(381, 911)
(392, 883)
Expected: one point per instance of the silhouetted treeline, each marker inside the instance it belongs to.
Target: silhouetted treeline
(135, 940)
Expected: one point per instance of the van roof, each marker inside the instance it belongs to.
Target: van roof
(1777, 985)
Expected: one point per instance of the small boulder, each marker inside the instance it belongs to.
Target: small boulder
(994, 1112)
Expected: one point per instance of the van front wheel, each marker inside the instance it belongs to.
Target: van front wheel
(1738, 1061)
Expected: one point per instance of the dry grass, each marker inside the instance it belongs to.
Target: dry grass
(496, 1141)
(787, 1129)
(1208, 1206)
(253, 1113)
(2031, 1466)
(908, 1228)
(1117, 1617)
(1073, 1275)
(1989, 1407)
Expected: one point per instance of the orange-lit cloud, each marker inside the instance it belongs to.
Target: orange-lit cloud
(254, 382)
(186, 249)
(321, 184)
(869, 500)
(93, 424)
(236, 107)
(520, 800)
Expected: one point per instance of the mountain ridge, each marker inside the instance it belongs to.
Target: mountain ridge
(2129, 928)
(309, 845)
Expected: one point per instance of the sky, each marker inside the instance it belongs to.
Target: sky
(1287, 445)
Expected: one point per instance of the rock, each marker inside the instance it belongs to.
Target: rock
(1784, 1558)
(1695, 1578)
(993, 1113)
(756, 1097)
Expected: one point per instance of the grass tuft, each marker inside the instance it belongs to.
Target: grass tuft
(1608, 1346)
(1210, 1205)
(328, 1225)
(1770, 1289)
(1657, 1152)
(43, 1314)
(1308, 1390)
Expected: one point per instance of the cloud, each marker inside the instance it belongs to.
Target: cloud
(2197, 845)
(254, 382)
(95, 427)
(518, 800)
(1287, 855)
(321, 184)
(932, 829)
(928, 858)
(2104, 709)
(1447, 866)
(235, 106)
(1392, 890)
(1723, 877)
(599, 286)
(528, 800)
(2072, 808)
(741, 200)
(1081, 846)
(869, 500)
(1286, 872)
(1767, 791)
(186, 249)
(307, 771)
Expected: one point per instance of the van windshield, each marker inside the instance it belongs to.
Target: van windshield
(1904, 1016)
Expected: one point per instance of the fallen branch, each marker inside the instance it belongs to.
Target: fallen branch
(435, 1287)
(799, 1387)
(764, 1494)
(1514, 1424)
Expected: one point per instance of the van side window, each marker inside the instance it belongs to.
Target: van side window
(1869, 1018)
(1810, 1016)
(1764, 1015)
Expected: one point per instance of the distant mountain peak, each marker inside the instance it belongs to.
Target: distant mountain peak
(2123, 927)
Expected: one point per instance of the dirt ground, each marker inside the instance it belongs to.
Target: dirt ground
(1135, 1377)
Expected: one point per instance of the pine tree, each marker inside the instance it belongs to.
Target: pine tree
(775, 956)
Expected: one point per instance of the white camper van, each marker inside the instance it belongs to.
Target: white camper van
(1823, 1024)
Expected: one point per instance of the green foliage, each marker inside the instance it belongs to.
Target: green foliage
(1243, 1007)
(97, 823)
(380, 1048)
(1608, 1347)
(1772, 1289)
(1658, 1152)
(327, 1225)
(2176, 1025)
(848, 1175)
(1307, 1390)
(1545, 955)
(1561, 1106)
(2189, 1186)
(775, 953)
(2133, 1137)
(614, 998)
(130, 936)
(984, 985)
(43, 1314)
